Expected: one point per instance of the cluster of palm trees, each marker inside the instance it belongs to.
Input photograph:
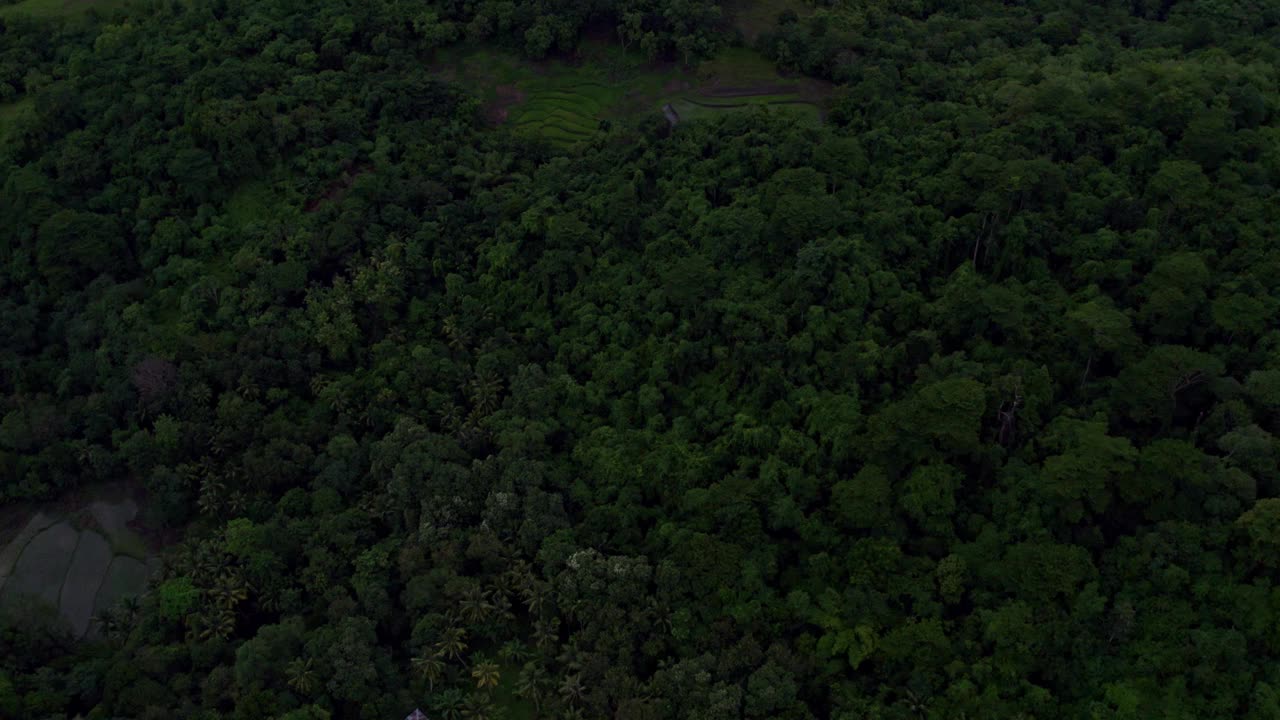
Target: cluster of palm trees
(115, 622)
(223, 587)
(217, 618)
(489, 608)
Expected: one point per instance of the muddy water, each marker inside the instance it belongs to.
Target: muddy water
(81, 561)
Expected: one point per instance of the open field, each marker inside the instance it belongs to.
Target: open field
(569, 102)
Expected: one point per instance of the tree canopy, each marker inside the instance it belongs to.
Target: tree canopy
(962, 403)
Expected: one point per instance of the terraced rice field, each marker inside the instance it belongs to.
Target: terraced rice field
(739, 79)
(568, 104)
(568, 115)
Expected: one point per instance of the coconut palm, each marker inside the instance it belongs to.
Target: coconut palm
(659, 614)
(572, 689)
(301, 676)
(212, 492)
(221, 626)
(230, 590)
(458, 337)
(475, 606)
(535, 597)
(502, 609)
(546, 633)
(478, 707)
(429, 668)
(449, 704)
(514, 651)
(531, 684)
(486, 674)
(236, 503)
(485, 388)
(453, 644)
(502, 586)
(571, 656)
(451, 417)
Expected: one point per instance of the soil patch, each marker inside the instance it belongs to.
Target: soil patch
(505, 96)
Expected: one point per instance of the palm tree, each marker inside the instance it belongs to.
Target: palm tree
(475, 605)
(502, 585)
(659, 614)
(449, 703)
(453, 644)
(198, 393)
(518, 575)
(571, 656)
(451, 417)
(220, 627)
(211, 494)
(486, 674)
(429, 668)
(208, 563)
(916, 704)
(302, 677)
(546, 632)
(485, 388)
(459, 337)
(236, 503)
(535, 597)
(502, 608)
(572, 689)
(129, 608)
(514, 651)
(530, 684)
(477, 707)
(108, 623)
(230, 590)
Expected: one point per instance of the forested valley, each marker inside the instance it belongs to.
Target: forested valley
(959, 402)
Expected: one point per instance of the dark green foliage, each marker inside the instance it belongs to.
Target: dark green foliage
(962, 404)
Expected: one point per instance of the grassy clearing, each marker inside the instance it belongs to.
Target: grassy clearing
(256, 201)
(730, 101)
(800, 110)
(504, 695)
(559, 101)
(738, 66)
(565, 102)
(250, 203)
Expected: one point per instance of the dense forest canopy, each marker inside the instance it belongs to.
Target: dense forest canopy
(962, 404)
